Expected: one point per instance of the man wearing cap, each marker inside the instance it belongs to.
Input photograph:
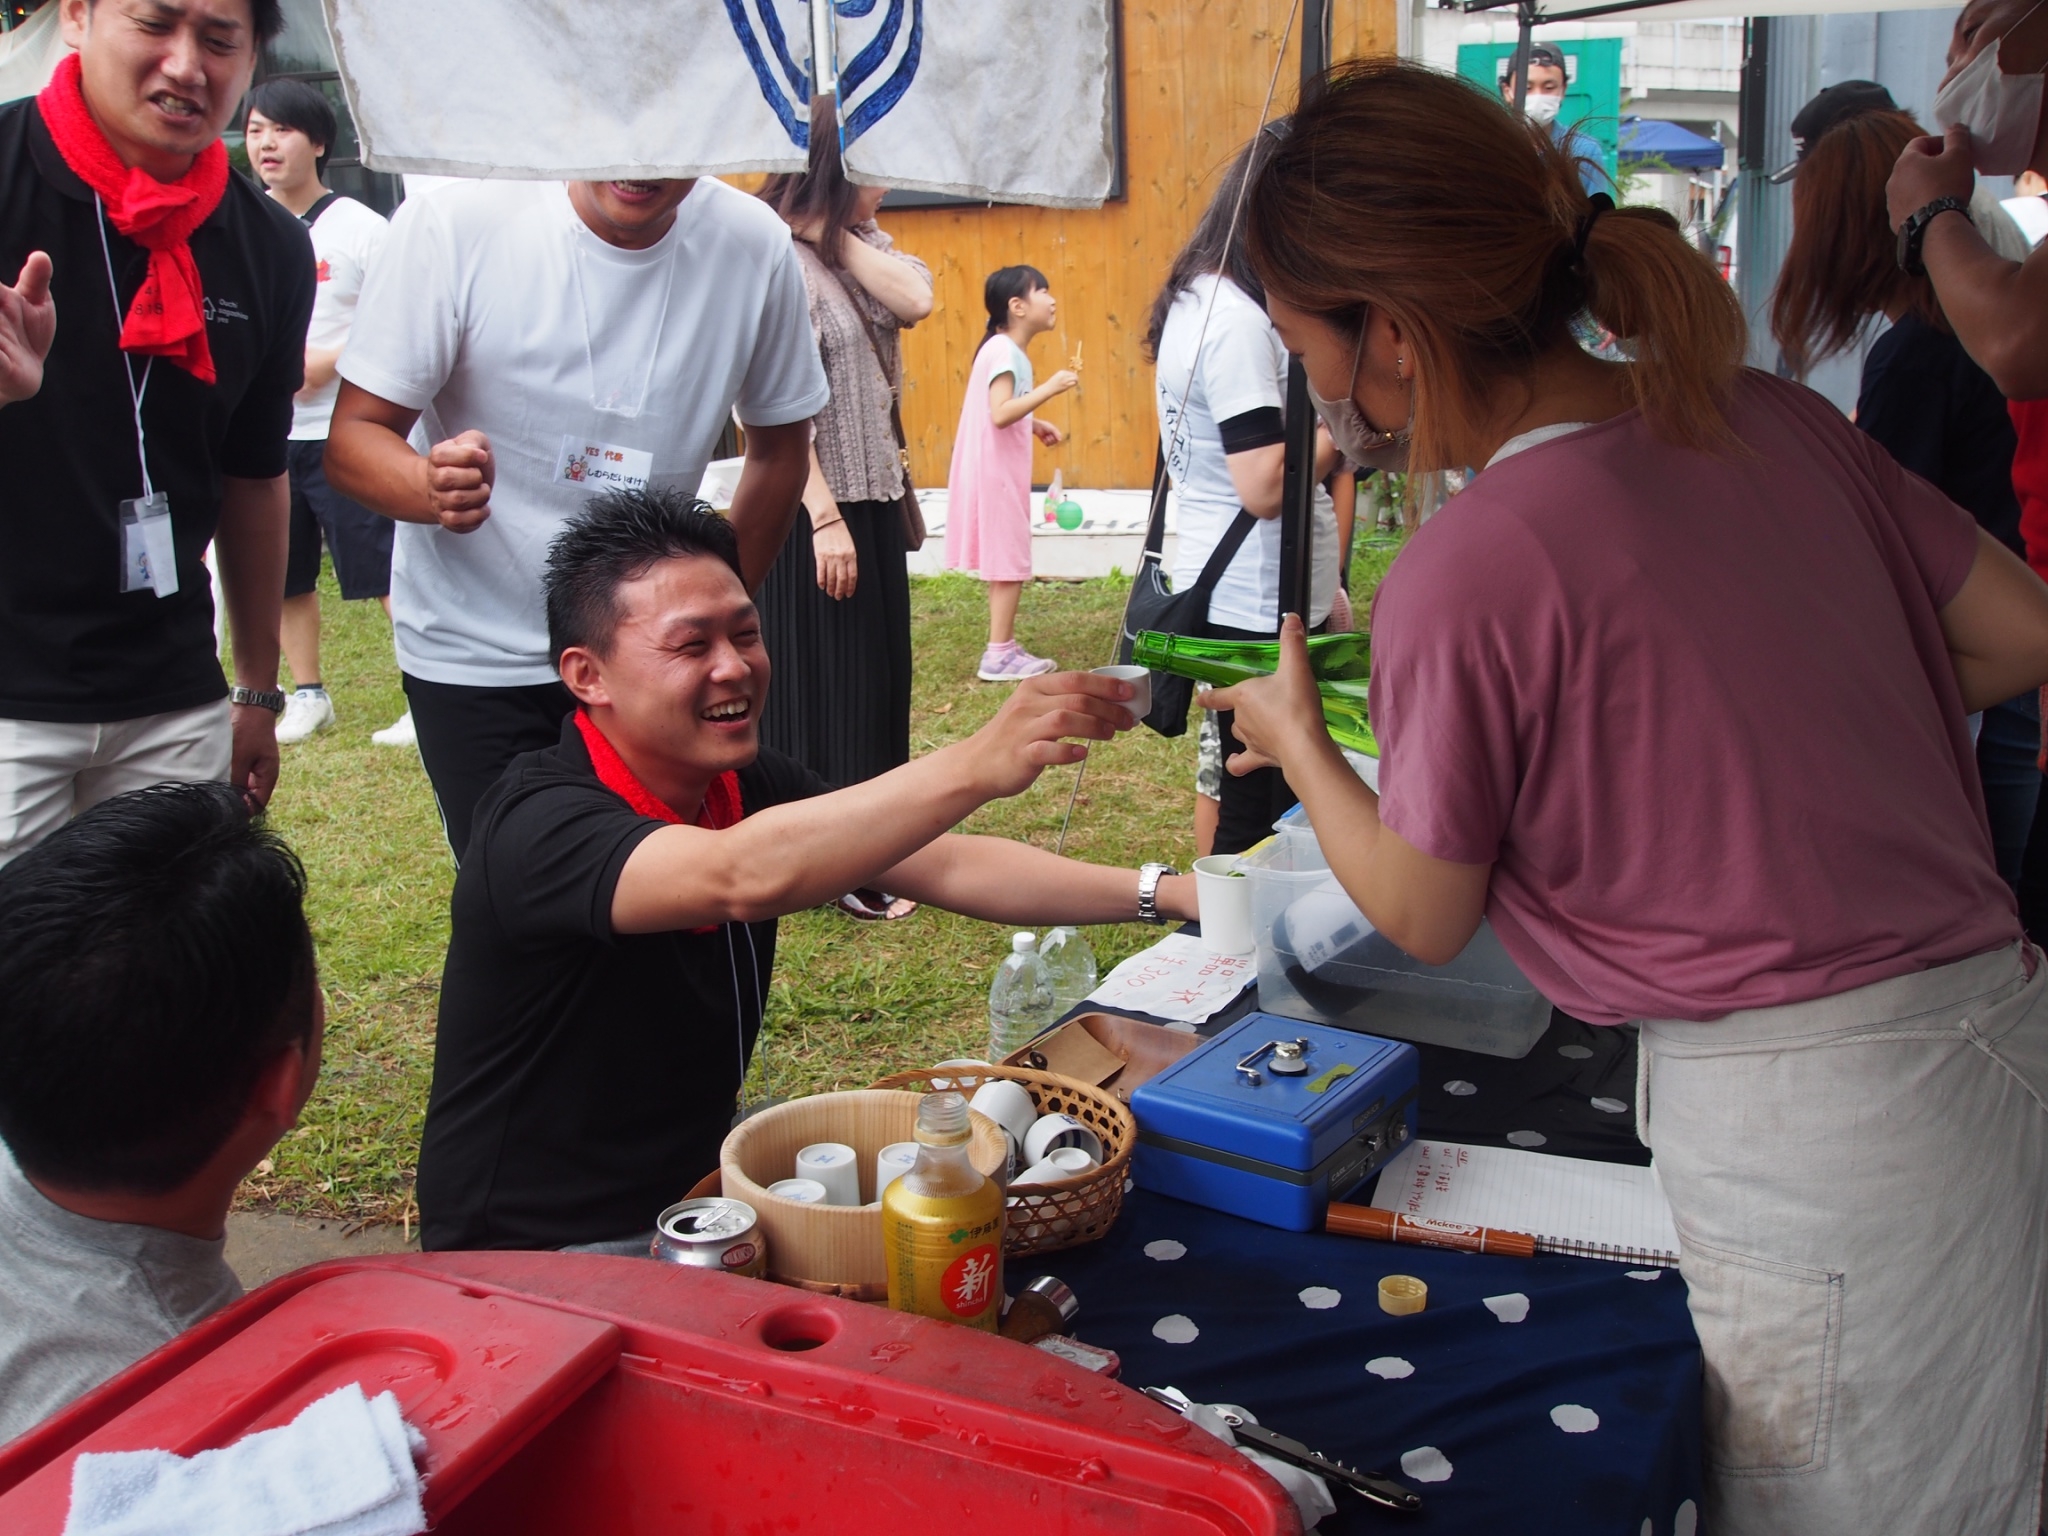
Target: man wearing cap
(1989, 106)
(1543, 98)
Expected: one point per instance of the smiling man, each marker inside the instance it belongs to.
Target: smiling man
(614, 923)
(149, 351)
(554, 340)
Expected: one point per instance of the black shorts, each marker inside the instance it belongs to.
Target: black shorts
(358, 538)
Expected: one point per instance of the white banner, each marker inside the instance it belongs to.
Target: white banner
(1006, 100)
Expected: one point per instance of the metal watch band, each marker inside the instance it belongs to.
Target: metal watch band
(1149, 876)
(1914, 231)
(271, 699)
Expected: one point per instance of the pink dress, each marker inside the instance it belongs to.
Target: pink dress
(988, 491)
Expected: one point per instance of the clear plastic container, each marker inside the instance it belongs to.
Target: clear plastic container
(1070, 961)
(1021, 1006)
(1320, 960)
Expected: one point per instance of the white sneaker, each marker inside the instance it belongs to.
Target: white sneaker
(399, 733)
(306, 711)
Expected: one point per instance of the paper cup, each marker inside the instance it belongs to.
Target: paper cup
(1008, 1104)
(1052, 1132)
(1140, 679)
(1224, 900)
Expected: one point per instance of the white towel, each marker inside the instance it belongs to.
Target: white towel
(1310, 1493)
(343, 1467)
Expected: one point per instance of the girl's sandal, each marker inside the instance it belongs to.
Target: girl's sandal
(868, 905)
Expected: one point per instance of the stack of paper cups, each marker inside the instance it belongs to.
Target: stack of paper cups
(892, 1162)
(832, 1164)
(803, 1191)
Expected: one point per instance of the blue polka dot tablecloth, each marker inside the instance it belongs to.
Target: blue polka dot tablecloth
(1545, 1395)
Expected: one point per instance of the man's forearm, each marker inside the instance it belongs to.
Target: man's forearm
(370, 464)
(1000, 881)
(1998, 308)
(249, 543)
(771, 486)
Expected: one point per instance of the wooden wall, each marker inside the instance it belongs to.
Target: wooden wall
(1195, 77)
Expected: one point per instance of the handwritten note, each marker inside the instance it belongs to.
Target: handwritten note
(1176, 979)
(1568, 1204)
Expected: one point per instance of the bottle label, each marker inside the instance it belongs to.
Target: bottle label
(969, 1282)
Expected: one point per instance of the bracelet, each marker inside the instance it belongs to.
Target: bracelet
(821, 527)
(1914, 231)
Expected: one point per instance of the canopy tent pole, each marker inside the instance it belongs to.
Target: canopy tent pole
(1298, 484)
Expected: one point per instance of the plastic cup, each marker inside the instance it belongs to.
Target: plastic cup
(1223, 898)
(1140, 679)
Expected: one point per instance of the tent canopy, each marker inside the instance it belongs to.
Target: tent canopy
(1647, 139)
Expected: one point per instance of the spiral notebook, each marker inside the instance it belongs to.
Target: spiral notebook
(1568, 1204)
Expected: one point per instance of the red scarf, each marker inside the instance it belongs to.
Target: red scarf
(167, 317)
(721, 808)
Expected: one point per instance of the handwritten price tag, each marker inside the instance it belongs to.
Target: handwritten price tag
(1176, 979)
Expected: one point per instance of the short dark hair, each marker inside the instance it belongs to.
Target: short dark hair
(618, 538)
(295, 104)
(156, 961)
(267, 17)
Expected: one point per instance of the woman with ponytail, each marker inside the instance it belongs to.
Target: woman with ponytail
(1674, 694)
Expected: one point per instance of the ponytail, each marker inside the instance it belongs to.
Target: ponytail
(1420, 193)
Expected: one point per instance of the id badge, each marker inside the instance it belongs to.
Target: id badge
(149, 557)
(602, 466)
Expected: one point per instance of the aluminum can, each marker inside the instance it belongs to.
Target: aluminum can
(713, 1233)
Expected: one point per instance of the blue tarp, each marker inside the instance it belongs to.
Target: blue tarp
(1645, 138)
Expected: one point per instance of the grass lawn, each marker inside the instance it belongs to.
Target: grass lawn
(851, 1001)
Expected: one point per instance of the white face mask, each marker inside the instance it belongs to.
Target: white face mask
(1541, 108)
(2002, 112)
(1356, 438)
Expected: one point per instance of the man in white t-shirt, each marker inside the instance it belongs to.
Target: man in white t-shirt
(289, 133)
(550, 341)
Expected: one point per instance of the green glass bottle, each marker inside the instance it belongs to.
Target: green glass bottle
(1341, 664)
(1332, 658)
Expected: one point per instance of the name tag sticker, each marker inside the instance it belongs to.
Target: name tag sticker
(602, 466)
(149, 557)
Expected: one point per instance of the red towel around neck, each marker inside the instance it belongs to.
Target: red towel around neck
(167, 317)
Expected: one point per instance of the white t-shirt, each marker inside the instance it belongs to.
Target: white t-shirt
(1243, 368)
(346, 239)
(494, 308)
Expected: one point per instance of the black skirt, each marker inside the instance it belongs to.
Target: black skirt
(839, 697)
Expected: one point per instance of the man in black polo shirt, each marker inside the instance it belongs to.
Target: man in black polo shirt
(614, 920)
(152, 344)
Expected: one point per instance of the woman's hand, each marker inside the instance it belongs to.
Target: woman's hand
(838, 565)
(1047, 433)
(1278, 718)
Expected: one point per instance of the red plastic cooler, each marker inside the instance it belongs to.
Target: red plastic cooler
(616, 1397)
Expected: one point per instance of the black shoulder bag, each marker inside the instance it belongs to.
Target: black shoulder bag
(1156, 606)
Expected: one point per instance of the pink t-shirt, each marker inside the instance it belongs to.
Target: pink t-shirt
(1697, 712)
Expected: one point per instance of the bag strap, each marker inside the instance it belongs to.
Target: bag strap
(1226, 551)
(312, 215)
(1155, 525)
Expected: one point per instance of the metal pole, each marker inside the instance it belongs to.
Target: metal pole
(1525, 31)
(1298, 484)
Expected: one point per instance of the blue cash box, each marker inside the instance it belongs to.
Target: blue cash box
(1272, 1119)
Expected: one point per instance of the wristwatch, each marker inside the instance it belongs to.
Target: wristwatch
(1148, 891)
(1914, 230)
(271, 699)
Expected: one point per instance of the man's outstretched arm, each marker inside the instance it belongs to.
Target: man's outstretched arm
(1001, 881)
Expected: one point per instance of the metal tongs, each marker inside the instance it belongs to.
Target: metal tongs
(1375, 1488)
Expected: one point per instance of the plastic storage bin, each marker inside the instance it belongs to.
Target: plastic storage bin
(1321, 961)
(619, 1397)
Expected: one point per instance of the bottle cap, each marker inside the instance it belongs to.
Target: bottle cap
(942, 1118)
(1402, 1295)
(1020, 942)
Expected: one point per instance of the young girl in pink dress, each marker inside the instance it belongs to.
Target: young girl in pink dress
(988, 496)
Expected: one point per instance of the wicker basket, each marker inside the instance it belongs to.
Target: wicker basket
(1070, 1211)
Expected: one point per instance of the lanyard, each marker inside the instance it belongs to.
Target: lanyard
(135, 391)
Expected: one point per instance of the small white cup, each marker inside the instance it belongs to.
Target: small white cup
(803, 1191)
(1008, 1105)
(1223, 899)
(892, 1162)
(1040, 1173)
(1073, 1159)
(961, 1084)
(834, 1165)
(1051, 1132)
(1140, 679)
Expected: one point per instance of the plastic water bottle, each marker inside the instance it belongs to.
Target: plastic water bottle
(1021, 1005)
(1071, 963)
